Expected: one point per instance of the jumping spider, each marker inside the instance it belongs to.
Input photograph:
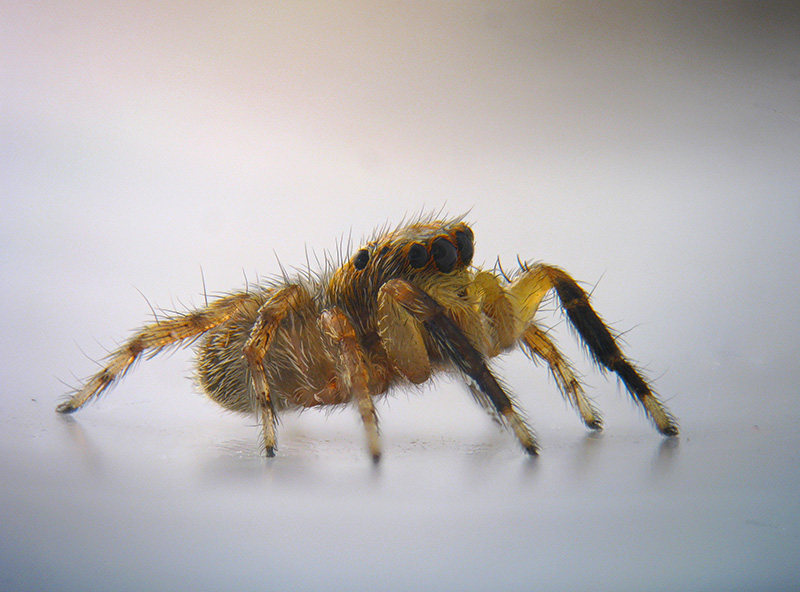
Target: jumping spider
(404, 307)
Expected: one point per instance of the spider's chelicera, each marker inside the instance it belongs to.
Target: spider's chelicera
(406, 306)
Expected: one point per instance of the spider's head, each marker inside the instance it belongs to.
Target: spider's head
(417, 249)
(433, 255)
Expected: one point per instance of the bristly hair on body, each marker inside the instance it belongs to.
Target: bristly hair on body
(404, 307)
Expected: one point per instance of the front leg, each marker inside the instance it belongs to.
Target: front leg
(454, 344)
(539, 344)
(530, 288)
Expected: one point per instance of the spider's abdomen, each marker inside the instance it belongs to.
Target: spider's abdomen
(300, 364)
(222, 370)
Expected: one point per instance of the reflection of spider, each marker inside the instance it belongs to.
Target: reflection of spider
(406, 306)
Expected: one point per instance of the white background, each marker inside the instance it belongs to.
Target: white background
(652, 150)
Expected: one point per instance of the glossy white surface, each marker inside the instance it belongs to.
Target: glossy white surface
(652, 152)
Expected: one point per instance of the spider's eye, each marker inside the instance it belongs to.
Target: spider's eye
(444, 254)
(417, 255)
(361, 259)
(465, 246)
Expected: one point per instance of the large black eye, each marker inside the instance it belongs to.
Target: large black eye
(417, 255)
(444, 254)
(465, 246)
(361, 259)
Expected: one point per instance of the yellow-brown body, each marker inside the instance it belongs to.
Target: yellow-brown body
(405, 306)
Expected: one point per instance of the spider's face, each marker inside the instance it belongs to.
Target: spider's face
(418, 249)
(425, 254)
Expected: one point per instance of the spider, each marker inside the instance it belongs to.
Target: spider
(406, 306)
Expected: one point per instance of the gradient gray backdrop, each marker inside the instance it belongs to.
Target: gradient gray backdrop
(651, 149)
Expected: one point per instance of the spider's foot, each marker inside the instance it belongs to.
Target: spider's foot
(66, 407)
(665, 423)
(669, 430)
(373, 439)
(269, 451)
(595, 424)
(523, 433)
(532, 449)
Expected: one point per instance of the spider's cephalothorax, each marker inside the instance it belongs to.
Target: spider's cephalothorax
(433, 257)
(405, 306)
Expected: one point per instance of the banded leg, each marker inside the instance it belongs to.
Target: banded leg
(539, 344)
(461, 352)
(152, 339)
(597, 337)
(352, 372)
(287, 300)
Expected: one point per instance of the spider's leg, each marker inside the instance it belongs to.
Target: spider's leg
(603, 346)
(152, 339)
(511, 315)
(352, 372)
(454, 344)
(282, 302)
(539, 344)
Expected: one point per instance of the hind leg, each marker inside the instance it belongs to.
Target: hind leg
(152, 339)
